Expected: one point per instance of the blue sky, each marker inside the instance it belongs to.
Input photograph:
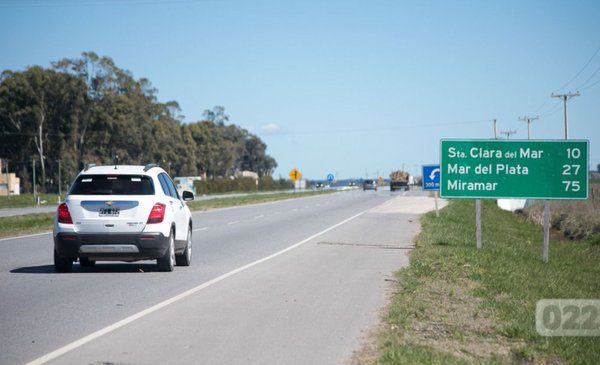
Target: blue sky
(353, 87)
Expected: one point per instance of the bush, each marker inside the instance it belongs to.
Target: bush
(242, 184)
(577, 219)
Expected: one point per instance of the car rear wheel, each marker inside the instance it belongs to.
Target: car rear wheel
(185, 259)
(167, 262)
(85, 262)
(62, 264)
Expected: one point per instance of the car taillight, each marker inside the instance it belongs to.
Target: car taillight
(63, 214)
(157, 214)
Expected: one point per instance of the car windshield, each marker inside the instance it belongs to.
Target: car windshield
(113, 185)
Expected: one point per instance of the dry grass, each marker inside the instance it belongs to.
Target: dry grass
(577, 219)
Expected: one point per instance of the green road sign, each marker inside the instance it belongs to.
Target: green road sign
(535, 169)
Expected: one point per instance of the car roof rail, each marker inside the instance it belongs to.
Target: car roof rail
(150, 166)
(89, 166)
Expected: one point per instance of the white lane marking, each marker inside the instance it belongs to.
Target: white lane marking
(233, 222)
(89, 338)
(306, 207)
(24, 236)
(200, 229)
(317, 205)
(295, 210)
(259, 216)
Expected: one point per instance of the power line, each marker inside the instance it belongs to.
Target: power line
(590, 86)
(553, 110)
(589, 78)
(580, 71)
(573, 79)
(62, 4)
(379, 129)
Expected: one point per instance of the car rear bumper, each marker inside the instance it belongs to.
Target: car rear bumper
(99, 246)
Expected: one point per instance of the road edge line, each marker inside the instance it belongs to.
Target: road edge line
(89, 338)
(24, 236)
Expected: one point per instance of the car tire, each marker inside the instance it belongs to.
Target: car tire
(167, 262)
(85, 262)
(185, 259)
(62, 264)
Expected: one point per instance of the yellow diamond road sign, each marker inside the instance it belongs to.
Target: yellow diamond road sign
(295, 174)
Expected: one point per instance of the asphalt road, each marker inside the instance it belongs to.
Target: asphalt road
(306, 305)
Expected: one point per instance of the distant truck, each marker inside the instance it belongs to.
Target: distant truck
(399, 180)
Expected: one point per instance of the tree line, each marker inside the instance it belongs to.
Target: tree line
(88, 110)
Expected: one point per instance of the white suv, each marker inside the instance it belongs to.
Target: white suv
(123, 213)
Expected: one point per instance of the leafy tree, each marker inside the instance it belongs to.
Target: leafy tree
(88, 110)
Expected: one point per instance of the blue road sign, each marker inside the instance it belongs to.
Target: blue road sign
(431, 177)
(330, 178)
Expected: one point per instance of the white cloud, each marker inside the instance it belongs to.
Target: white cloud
(270, 127)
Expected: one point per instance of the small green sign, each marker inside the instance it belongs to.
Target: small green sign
(535, 169)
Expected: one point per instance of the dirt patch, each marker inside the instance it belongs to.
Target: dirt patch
(451, 320)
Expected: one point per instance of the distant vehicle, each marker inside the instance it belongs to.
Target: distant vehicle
(370, 185)
(352, 183)
(123, 213)
(399, 180)
(319, 185)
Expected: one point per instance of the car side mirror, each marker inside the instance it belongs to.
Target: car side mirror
(187, 196)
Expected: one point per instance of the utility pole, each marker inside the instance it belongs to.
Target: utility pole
(564, 98)
(529, 120)
(59, 180)
(508, 133)
(7, 182)
(495, 133)
(33, 164)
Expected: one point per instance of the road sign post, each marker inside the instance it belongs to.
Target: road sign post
(531, 169)
(295, 175)
(430, 179)
(330, 178)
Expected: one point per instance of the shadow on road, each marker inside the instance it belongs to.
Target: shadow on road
(98, 268)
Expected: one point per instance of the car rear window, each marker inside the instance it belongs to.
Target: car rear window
(112, 185)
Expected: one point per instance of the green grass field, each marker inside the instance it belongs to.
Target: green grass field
(27, 200)
(33, 223)
(455, 305)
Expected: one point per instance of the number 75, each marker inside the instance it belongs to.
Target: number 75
(571, 185)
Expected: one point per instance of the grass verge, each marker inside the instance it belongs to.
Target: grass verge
(27, 200)
(454, 305)
(25, 224)
(34, 223)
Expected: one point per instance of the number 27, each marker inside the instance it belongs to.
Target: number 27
(567, 169)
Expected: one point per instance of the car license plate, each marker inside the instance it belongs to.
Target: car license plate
(109, 212)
